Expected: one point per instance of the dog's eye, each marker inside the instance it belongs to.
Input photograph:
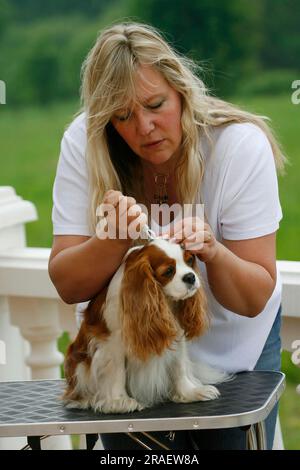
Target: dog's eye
(169, 271)
(190, 261)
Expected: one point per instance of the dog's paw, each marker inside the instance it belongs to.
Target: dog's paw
(79, 405)
(203, 393)
(207, 392)
(118, 405)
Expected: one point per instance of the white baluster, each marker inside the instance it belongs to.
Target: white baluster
(14, 213)
(38, 320)
(28, 304)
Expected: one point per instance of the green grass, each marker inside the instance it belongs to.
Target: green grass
(289, 417)
(289, 409)
(30, 143)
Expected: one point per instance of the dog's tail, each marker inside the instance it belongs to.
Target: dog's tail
(210, 375)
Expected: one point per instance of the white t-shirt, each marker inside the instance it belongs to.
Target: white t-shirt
(240, 195)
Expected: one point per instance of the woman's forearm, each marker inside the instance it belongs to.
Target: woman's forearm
(238, 285)
(80, 272)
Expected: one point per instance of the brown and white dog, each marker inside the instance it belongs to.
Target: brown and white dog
(130, 351)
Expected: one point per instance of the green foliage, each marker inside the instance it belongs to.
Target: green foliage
(270, 82)
(28, 10)
(211, 32)
(47, 57)
(290, 369)
(6, 13)
(30, 144)
(43, 44)
(47, 60)
(290, 417)
(281, 45)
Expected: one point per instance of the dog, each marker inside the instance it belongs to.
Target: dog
(131, 350)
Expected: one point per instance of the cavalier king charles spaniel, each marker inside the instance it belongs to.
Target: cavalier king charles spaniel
(131, 349)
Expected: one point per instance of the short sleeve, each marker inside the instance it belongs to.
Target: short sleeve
(70, 189)
(250, 205)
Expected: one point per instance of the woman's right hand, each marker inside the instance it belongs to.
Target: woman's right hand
(120, 217)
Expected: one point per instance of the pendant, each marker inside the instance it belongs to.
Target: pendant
(161, 194)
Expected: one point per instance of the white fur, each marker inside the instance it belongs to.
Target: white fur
(118, 383)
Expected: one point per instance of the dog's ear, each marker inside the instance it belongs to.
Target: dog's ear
(148, 324)
(192, 314)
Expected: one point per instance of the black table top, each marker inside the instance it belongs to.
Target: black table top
(34, 408)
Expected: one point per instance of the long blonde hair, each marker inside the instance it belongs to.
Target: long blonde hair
(108, 74)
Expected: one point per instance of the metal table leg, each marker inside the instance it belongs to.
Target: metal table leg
(261, 435)
(251, 438)
(91, 440)
(34, 442)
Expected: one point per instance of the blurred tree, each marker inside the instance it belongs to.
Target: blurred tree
(6, 13)
(28, 10)
(34, 58)
(41, 71)
(42, 52)
(212, 32)
(281, 29)
(41, 60)
(51, 63)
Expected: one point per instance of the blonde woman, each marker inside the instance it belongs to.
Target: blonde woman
(149, 132)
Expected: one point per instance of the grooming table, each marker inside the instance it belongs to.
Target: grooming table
(34, 409)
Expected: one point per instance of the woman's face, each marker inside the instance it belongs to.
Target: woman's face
(152, 127)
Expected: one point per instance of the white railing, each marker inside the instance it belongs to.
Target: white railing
(32, 316)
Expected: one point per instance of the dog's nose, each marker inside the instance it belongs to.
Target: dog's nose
(189, 278)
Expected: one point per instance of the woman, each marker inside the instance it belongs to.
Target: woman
(150, 133)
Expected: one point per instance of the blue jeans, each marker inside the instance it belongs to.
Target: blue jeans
(270, 359)
(211, 439)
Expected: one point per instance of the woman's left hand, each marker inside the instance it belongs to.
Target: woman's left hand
(196, 236)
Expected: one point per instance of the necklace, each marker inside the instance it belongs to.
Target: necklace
(161, 190)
